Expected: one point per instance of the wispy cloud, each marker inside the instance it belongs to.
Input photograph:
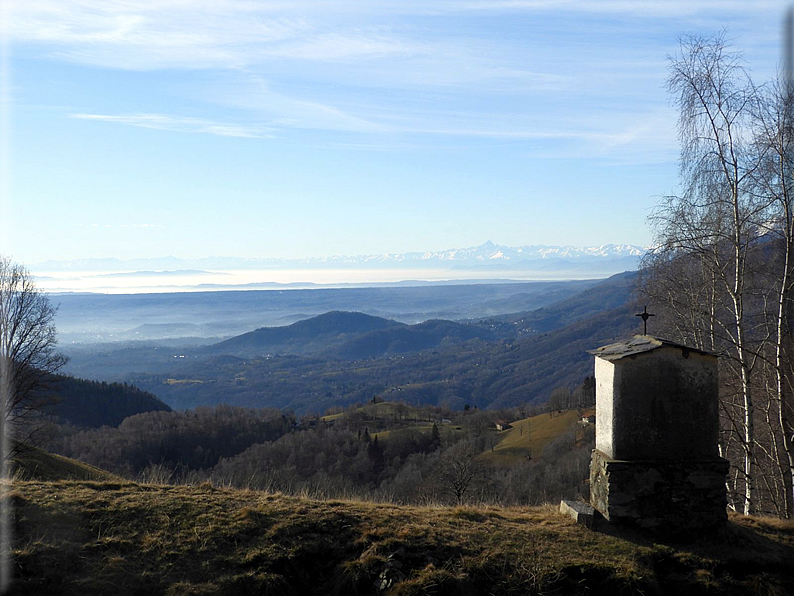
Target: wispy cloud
(119, 225)
(171, 34)
(667, 8)
(367, 43)
(180, 124)
(389, 67)
(155, 34)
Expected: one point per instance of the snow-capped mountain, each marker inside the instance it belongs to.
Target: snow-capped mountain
(497, 253)
(487, 255)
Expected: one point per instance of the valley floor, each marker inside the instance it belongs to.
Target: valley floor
(101, 537)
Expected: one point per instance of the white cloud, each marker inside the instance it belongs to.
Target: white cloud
(180, 124)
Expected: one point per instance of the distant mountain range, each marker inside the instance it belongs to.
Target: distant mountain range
(487, 255)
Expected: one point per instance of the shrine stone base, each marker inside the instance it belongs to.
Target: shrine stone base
(668, 497)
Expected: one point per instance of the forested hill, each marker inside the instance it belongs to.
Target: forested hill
(612, 293)
(303, 337)
(490, 374)
(413, 338)
(94, 404)
(354, 335)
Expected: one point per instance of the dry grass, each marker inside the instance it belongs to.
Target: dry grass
(33, 463)
(449, 432)
(82, 537)
(382, 409)
(529, 436)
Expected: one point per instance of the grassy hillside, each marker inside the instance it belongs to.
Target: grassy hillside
(80, 537)
(449, 432)
(32, 463)
(382, 409)
(393, 416)
(528, 437)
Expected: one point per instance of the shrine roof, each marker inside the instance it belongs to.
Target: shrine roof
(640, 344)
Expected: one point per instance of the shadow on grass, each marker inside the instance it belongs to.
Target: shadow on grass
(746, 555)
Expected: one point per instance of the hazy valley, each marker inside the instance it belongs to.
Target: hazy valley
(505, 343)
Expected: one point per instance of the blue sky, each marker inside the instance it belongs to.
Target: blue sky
(311, 128)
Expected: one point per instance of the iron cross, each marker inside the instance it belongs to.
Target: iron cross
(645, 316)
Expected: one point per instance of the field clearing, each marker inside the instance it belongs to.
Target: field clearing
(383, 409)
(528, 437)
(449, 432)
(183, 382)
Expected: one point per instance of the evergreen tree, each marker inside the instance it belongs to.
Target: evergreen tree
(435, 437)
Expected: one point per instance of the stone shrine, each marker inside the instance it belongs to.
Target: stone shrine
(656, 464)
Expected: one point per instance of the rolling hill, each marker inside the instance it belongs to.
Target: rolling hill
(345, 358)
(356, 335)
(352, 335)
(88, 319)
(316, 334)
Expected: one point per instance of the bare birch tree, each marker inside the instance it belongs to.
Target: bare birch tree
(713, 221)
(774, 144)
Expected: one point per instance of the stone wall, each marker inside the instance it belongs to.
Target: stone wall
(670, 496)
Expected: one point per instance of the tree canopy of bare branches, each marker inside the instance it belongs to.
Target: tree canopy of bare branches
(721, 272)
(28, 356)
